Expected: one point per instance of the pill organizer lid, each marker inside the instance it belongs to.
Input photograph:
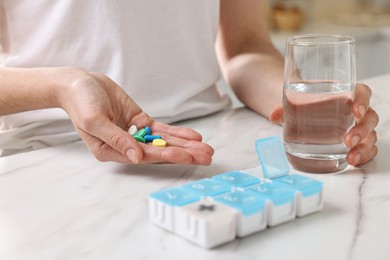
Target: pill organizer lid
(307, 186)
(277, 193)
(236, 179)
(272, 157)
(175, 197)
(206, 187)
(248, 203)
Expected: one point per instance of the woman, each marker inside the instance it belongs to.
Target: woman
(108, 65)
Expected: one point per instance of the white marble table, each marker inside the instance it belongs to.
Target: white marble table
(60, 203)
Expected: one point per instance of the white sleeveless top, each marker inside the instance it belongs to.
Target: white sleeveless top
(161, 52)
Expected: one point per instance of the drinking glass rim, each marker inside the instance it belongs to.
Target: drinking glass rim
(320, 39)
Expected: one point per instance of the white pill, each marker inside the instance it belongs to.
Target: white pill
(133, 130)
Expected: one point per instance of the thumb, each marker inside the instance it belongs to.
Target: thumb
(276, 115)
(119, 140)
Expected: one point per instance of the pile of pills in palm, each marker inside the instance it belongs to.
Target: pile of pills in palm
(144, 135)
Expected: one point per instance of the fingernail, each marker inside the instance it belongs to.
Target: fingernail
(357, 159)
(132, 155)
(362, 110)
(355, 140)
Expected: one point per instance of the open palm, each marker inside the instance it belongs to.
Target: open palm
(102, 113)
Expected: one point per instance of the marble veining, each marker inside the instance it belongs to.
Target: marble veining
(359, 216)
(61, 203)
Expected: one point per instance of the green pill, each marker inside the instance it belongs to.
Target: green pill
(141, 132)
(139, 138)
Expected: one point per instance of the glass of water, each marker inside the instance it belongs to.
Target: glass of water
(318, 93)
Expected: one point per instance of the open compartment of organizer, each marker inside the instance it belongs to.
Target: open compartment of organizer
(275, 167)
(216, 210)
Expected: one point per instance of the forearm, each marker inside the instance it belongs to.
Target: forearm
(257, 80)
(250, 63)
(30, 89)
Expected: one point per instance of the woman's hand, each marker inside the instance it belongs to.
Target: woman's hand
(102, 113)
(362, 137)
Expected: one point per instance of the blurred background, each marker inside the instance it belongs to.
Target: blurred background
(367, 20)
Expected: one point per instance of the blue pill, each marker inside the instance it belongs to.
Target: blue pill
(150, 138)
(148, 130)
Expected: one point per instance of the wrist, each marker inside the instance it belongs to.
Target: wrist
(62, 85)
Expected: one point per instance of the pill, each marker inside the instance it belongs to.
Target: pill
(141, 132)
(159, 143)
(150, 138)
(148, 130)
(139, 138)
(133, 130)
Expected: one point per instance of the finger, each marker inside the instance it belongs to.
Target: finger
(116, 138)
(361, 130)
(364, 151)
(276, 115)
(362, 100)
(178, 131)
(153, 154)
(201, 153)
(141, 120)
(102, 151)
(373, 152)
(187, 144)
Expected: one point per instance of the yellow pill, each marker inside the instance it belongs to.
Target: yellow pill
(159, 143)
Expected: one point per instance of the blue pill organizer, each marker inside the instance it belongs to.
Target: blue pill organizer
(213, 211)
